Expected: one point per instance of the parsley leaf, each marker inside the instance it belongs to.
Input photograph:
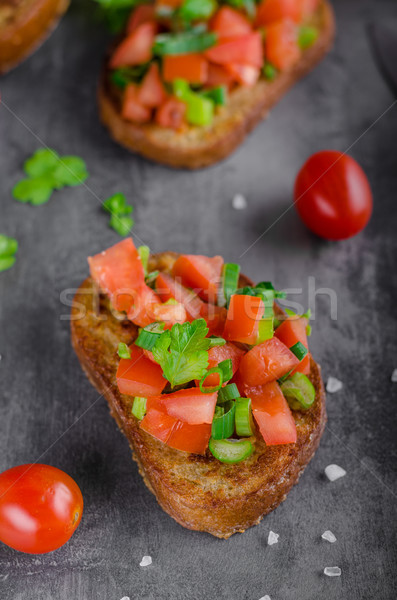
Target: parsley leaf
(8, 249)
(37, 190)
(42, 162)
(117, 206)
(71, 171)
(182, 352)
(122, 225)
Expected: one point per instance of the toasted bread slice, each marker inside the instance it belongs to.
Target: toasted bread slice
(197, 491)
(24, 24)
(198, 147)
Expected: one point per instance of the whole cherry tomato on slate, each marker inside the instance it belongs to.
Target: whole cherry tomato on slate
(333, 196)
(40, 508)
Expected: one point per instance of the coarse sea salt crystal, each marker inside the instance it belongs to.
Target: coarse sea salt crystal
(394, 376)
(329, 536)
(146, 561)
(273, 538)
(334, 472)
(125, 598)
(265, 598)
(239, 202)
(332, 571)
(333, 385)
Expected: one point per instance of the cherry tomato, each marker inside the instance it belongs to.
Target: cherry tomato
(333, 196)
(40, 508)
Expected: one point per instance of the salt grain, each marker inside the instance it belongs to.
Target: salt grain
(273, 538)
(394, 376)
(146, 561)
(333, 385)
(332, 571)
(265, 598)
(329, 536)
(334, 472)
(239, 202)
(125, 598)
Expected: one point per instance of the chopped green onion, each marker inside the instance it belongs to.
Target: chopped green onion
(144, 253)
(270, 72)
(152, 276)
(183, 43)
(124, 75)
(299, 391)
(200, 111)
(229, 282)
(244, 421)
(216, 341)
(227, 369)
(265, 330)
(193, 10)
(299, 350)
(230, 451)
(308, 330)
(123, 351)
(267, 285)
(213, 389)
(149, 335)
(223, 422)
(307, 36)
(228, 392)
(276, 322)
(217, 94)
(181, 89)
(139, 407)
(284, 377)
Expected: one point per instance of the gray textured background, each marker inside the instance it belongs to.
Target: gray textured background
(44, 394)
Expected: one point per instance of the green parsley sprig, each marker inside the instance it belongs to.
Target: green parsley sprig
(119, 211)
(8, 249)
(47, 171)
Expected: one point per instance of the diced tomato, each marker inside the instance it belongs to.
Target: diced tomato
(158, 424)
(292, 331)
(281, 45)
(244, 74)
(132, 109)
(201, 273)
(308, 8)
(266, 362)
(142, 311)
(273, 415)
(151, 92)
(247, 49)
(136, 48)
(243, 316)
(215, 317)
(169, 314)
(191, 67)
(142, 14)
(218, 75)
(217, 355)
(228, 23)
(118, 271)
(171, 114)
(270, 11)
(190, 438)
(190, 405)
(168, 3)
(138, 376)
(167, 288)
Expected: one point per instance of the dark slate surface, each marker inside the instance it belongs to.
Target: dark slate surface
(48, 410)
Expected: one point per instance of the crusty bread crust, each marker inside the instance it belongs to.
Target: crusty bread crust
(199, 492)
(24, 24)
(198, 147)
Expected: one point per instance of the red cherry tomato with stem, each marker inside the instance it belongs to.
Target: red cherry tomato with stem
(40, 508)
(333, 196)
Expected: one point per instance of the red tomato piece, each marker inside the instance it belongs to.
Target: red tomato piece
(215, 317)
(219, 354)
(243, 316)
(118, 271)
(190, 438)
(273, 415)
(142, 311)
(151, 92)
(139, 376)
(191, 67)
(266, 362)
(158, 424)
(142, 14)
(228, 23)
(171, 114)
(169, 314)
(218, 75)
(246, 49)
(292, 331)
(308, 8)
(132, 108)
(244, 74)
(333, 196)
(281, 45)
(168, 288)
(136, 48)
(190, 405)
(201, 273)
(271, 11)
(168, 3)
(40, 508)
